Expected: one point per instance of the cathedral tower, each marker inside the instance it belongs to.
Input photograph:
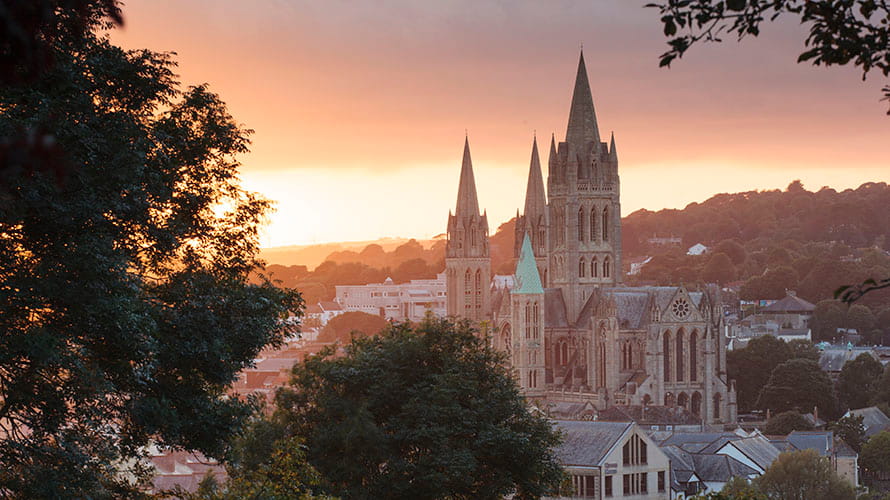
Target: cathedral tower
(534, 220)
(584, 208)
(527, 316)
(467, 258)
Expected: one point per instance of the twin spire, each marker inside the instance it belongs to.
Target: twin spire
(467, 201)
(535, 199)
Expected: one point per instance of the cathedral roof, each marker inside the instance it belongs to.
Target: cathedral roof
(582, 128)
(555, 309)
(467, 201)
(527, 280)
(535, 199)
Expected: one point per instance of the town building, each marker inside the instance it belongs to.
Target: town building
(402, 302)
(612, 459)
(572, 331)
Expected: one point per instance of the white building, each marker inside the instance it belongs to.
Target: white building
(406, 301)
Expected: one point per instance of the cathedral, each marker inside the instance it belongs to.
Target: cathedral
(573, 332)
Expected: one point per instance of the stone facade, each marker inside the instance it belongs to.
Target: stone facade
(594, 339)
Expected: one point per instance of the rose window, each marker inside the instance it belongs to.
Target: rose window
(680, 308)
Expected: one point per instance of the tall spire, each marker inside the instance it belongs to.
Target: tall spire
(467, 202)
(582, 117)
(527, 279)
(613, 153)
(535, 200)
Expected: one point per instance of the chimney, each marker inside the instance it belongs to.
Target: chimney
(815, 413)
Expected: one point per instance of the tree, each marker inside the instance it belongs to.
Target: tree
(343, 327)
(786, 422)
(423, 413)
(851, 430)
(125, 303)
(751, 366)
(827, 318)
(875, 455)
(734, 250)
(858, 380)
(882, 389)
(798, 384)
(803, 475)
(861, 318)
(804, 349)
(719, 269)
(841, 31)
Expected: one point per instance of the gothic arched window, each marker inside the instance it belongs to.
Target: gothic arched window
(582, 268)
(605, 224)
(581, 224)
(666, 350)
(607, 271)
(594, 268)
(592, 224)
(468, 291)
(693, 356)
(680, 367)
(479, 290)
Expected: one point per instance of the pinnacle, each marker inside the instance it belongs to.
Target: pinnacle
(535, 198)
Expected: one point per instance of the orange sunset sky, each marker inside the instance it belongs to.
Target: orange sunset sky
(359, 107)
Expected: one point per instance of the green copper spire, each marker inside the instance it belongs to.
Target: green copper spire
(527, 279)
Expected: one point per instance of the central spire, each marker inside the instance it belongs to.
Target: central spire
(582, 117)
(467, 201)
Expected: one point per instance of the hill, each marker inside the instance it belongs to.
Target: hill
(764, 242)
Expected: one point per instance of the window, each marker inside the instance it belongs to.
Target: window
(594, 268)
(680, 367)
(592, 224)
(693, 356)
(626, 480)
(666, 350)
(584, 486)
(644, 482)
(582, 268)
(581, 224)
(607, 271)
(608, 486)
(634, 451)
(635, 484)
(605, 224)
(660, 481)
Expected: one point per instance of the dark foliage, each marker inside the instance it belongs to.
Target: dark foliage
(125, 309)
(841, 32)
(429, 413)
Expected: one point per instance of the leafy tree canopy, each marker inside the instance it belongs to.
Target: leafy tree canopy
(798, 384)
(785, 423)
(851, 430)
(875, 455)
(428, 413)
(803, 475)
(858, 381)
(840, 31)
(124, 301)
(751, 366)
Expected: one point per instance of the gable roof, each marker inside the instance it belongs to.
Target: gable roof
(788, 304)
(588, 443)
(873, 419)
(757, 448)
(555, 313)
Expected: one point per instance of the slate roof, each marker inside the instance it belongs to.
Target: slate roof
(820, 441)
(758, 449)
(791, 303)
(720, 468)
(833, 358)
(652, 415)
(587, 443)
(874, 420)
